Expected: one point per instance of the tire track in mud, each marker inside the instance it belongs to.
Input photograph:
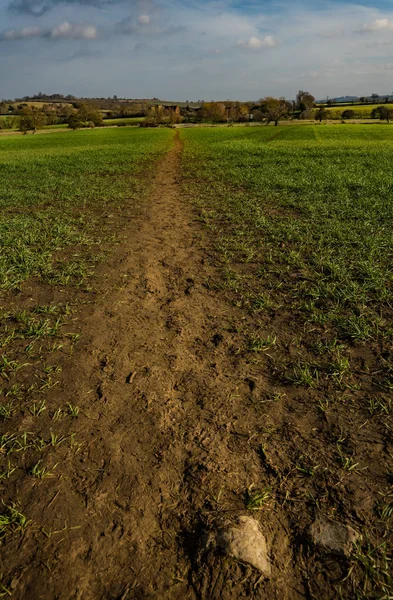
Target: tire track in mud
(167, 426)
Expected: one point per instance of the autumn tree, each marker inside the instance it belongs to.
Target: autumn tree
(174, 116)
(155, 116)
(214, 111)
(238, 112)
(257, 114)
(274, 109)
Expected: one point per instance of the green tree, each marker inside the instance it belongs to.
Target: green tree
(88, 113)
(305, 102)
(321, 114)
(348, 114)
(382, 112)
(84, 117)
(74, 121)
(31, 120)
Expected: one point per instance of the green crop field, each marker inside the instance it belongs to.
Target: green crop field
(50, 186)
(330, 188)
(65, 200)
(124, 121)
(300, 222)
(56, 126)
(361, 111)
(289, 245)
(5, 118)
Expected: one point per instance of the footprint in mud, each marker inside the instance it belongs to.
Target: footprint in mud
(154, 285)
(190, 286)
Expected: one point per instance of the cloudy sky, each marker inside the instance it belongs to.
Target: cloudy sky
(195, 49)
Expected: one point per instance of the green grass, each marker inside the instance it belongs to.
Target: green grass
(65, 201)
(56, 126)
(308, 209)
(50, 188)
(12, 119)
(298, 222)
(11, 520)
(124, 121)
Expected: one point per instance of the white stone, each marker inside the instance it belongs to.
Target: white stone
(244, 541)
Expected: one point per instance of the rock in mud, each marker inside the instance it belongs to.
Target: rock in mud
(242, 540)
(333, 537)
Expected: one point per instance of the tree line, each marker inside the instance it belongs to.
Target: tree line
(30, 117)
(267, 109)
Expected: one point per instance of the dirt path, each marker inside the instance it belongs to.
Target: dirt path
(166, 428)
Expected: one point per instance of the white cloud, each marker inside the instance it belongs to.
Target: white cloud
(65, 30)
(142, 26)
(256, 43)
(20, 34)
(378, 25)
(144, 19)
(191, 49)
(73, 32)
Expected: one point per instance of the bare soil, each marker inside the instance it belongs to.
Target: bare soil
(176, 424)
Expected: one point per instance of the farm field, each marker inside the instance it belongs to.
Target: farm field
(196, 325)
(300, 219)
(124, 121)
(361, 111)
(65, 201)
(121, 122)
(5, 118)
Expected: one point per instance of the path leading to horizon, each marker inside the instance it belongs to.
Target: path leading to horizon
(164, 429)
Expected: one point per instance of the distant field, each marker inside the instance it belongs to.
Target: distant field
(300, 221)
(57, 126)
(40, 104)
(107, 123)
(125, 120)
(361, 111)
(5, 117)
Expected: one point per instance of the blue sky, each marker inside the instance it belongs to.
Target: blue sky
(200, 49)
